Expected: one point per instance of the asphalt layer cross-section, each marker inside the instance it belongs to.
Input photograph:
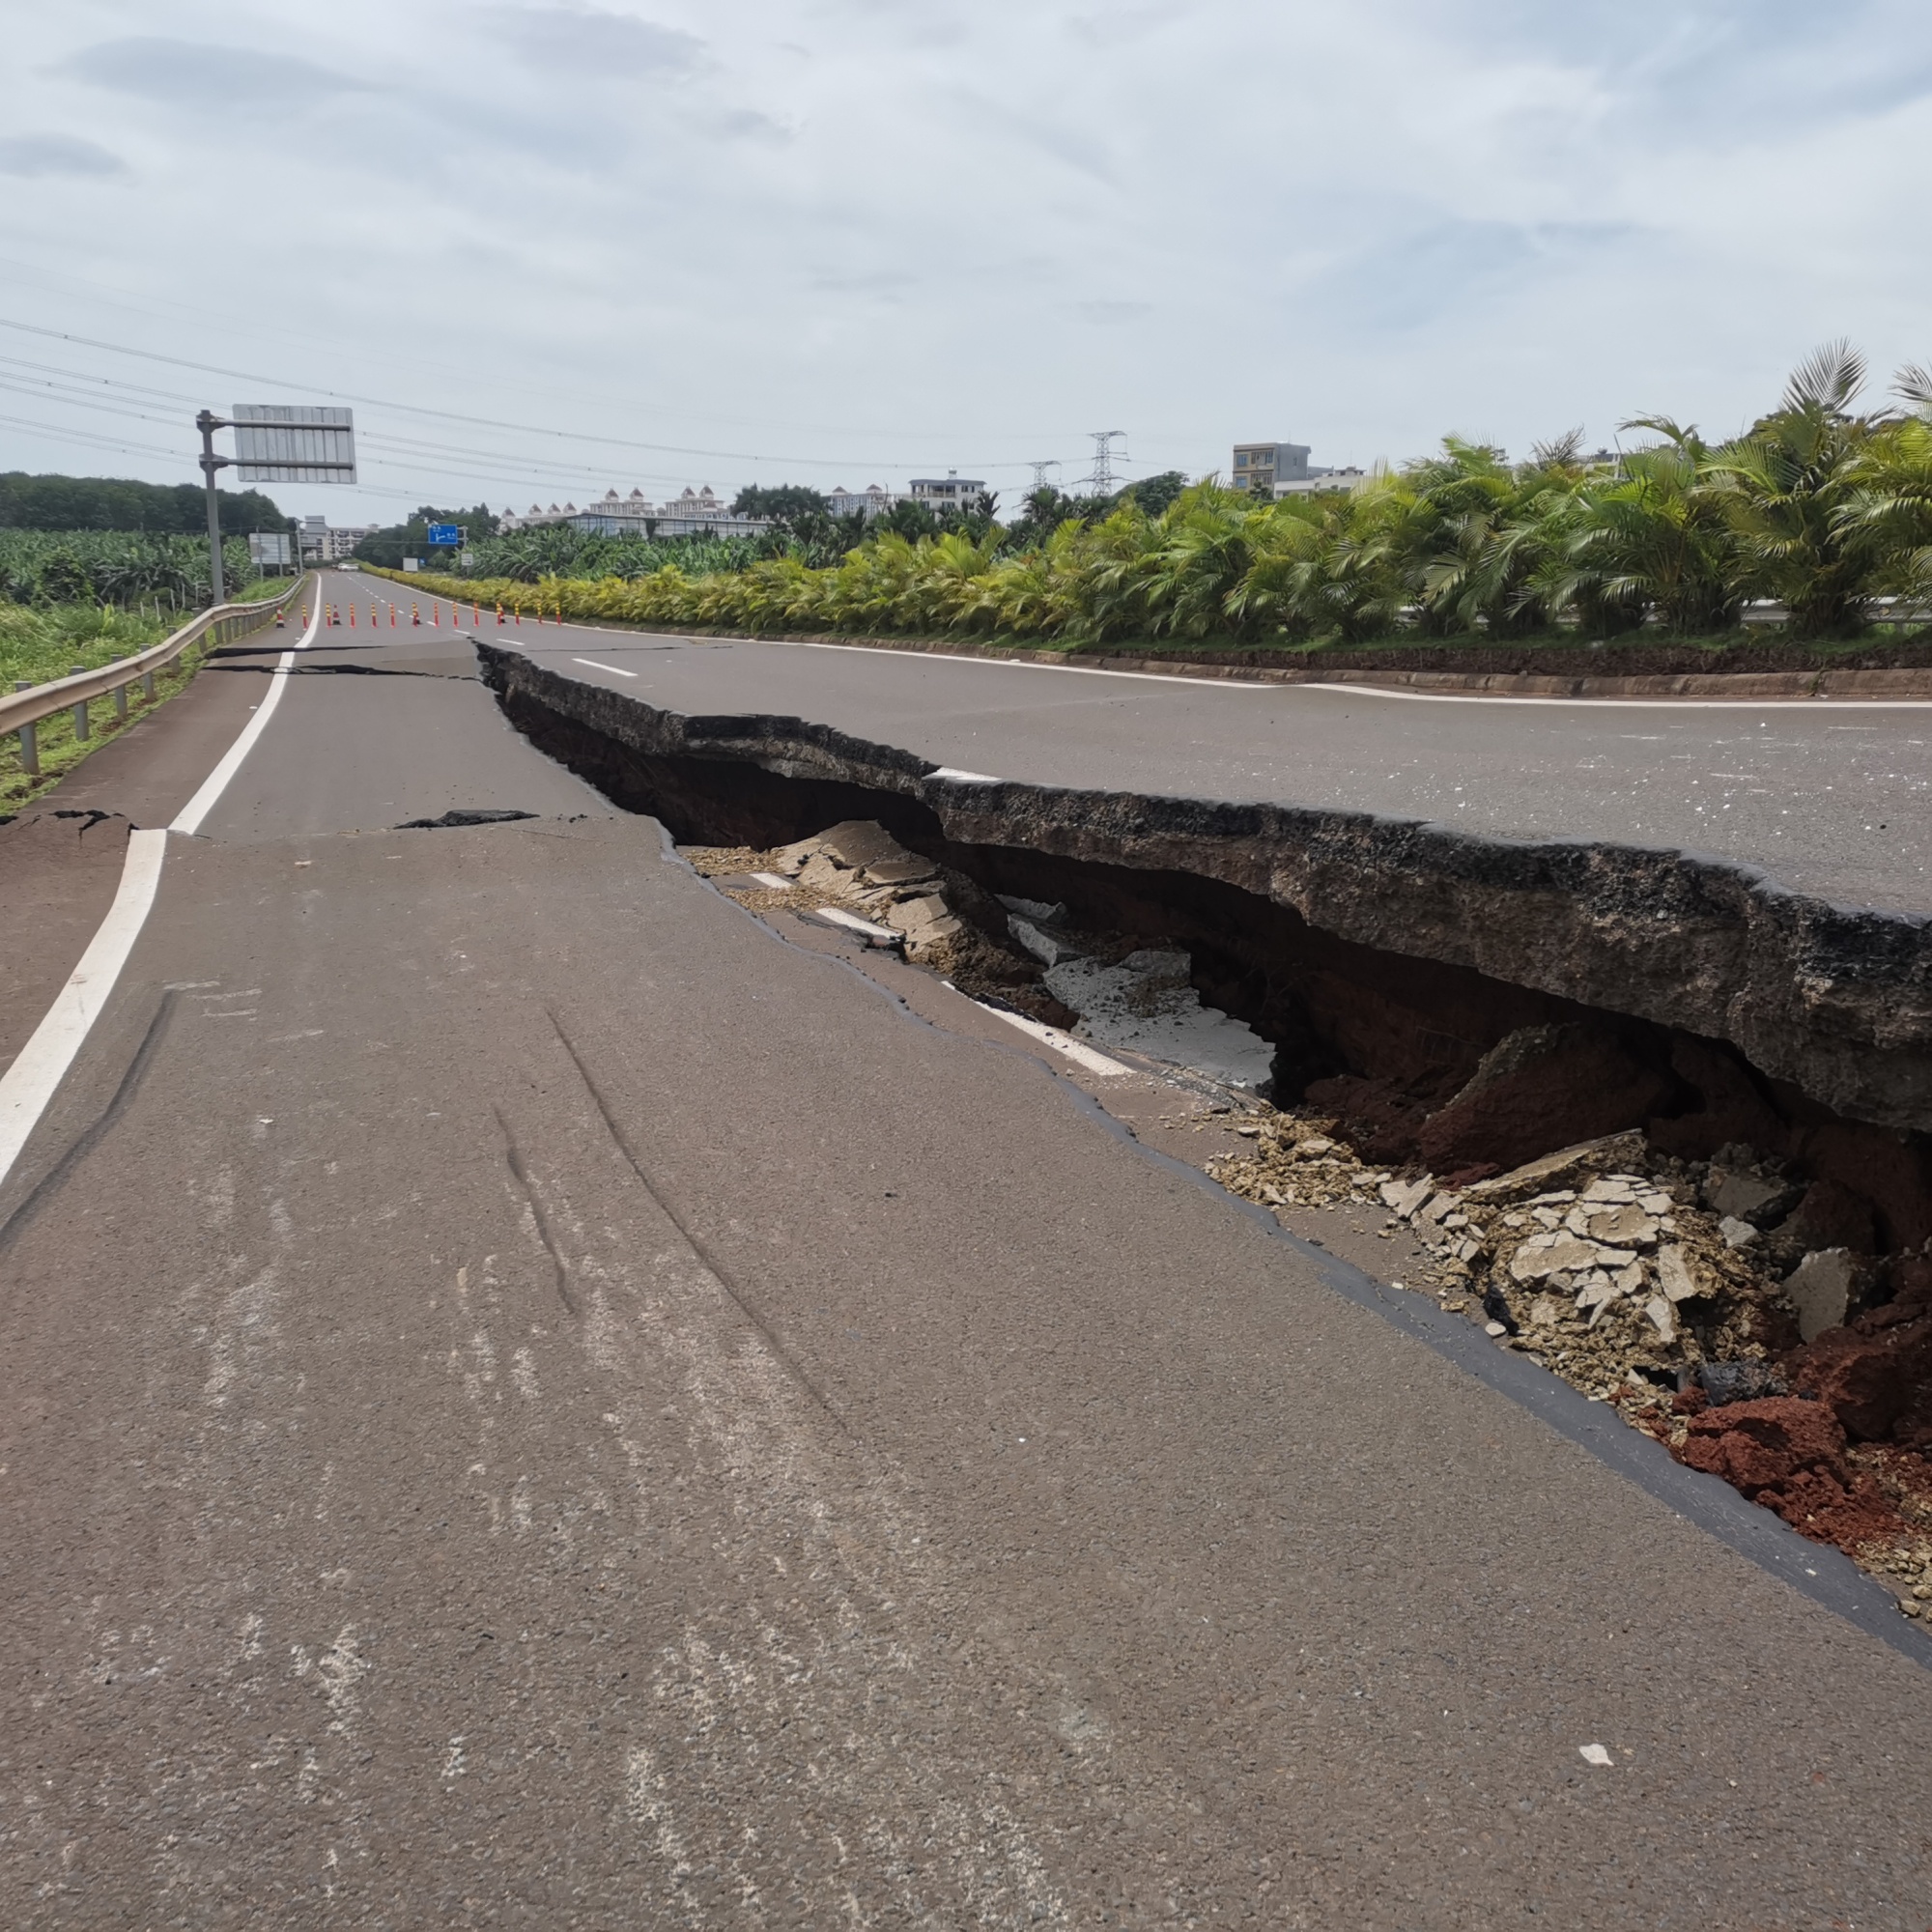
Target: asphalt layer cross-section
(530, 1399)
(1832, 797)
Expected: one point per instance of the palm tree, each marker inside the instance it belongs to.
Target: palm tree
(1655, 536)
(1792, 489)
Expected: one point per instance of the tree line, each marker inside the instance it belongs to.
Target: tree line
(118, 503)
(1819, 508)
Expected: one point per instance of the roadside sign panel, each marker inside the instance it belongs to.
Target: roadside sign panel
(275, 547)
(288, 442)
(444, 535)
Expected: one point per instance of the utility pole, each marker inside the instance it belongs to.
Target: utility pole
(1102, 479)
(208, 422)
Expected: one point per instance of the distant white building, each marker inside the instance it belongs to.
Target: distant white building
(950, 491)
(319, 542)
(694, 513)
(1323, 479)
(869, 502)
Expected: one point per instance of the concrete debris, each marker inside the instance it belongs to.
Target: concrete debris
(1036, 910)
(1586, 1159)
(1405, 1197)
(1633, 1285)
(1689, 1336)
(1739, 1188)
(1821, 1289)
(1145, 1004)
(1674, 1273)
(1737, 1233)
(1048, 948)
(858, 843)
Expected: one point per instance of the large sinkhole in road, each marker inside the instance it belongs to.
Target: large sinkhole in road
(1428, 1064)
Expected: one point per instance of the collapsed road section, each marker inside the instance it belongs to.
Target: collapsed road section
(1746, 1261)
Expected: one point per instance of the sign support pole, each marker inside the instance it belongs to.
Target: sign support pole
(208, 422)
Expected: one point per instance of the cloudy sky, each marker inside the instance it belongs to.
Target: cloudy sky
(854, 240)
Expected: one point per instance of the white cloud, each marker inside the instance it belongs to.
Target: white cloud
(823, 238)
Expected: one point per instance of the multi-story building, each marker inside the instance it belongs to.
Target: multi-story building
(950, 491)
(869, 502)
(1263, 468)
(1323, 479)
(321, 541)
(694, 513)
(1282, 469)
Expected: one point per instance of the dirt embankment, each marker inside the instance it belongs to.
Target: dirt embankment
(1743, 1262)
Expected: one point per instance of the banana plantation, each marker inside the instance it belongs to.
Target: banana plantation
(1819, 519)
(122, 569)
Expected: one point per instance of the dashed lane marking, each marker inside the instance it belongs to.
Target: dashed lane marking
(615, 670)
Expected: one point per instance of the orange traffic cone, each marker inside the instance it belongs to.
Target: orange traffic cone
(416, 613)
(499, 614)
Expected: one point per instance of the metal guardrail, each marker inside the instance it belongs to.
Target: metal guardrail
(22, 710)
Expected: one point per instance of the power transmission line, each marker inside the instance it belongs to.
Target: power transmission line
(1102, 480)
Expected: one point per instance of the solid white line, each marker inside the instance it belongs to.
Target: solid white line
(958, 777)
(29, 1084)
(1019, 663)
(615, 670)
(1353, 690)
(1084, 1056)
(187, 820)
(1631, 703)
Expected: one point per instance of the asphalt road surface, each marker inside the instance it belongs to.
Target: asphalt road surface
(531, 1399)
(1832, 798)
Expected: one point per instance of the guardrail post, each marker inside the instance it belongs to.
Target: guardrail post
(120, 702)
(30, 741)
(147, 686)
(80, 709)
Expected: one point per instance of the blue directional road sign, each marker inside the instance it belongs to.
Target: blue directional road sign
(445, 533)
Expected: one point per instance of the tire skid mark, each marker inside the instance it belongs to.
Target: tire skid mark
(539, 1223)
(726, 1792)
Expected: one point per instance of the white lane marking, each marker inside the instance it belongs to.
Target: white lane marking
(850, 922)
(958, 777)
(773, 881)
(1179, 676)
(1020, 664)
(187, 820)
(615, 670)
(29, 1084)
(1073, 1049)
(1630, 703)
